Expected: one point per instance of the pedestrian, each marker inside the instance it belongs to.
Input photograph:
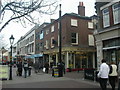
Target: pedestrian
(19, 68)
(103, 74)
(29, 67)
(119, 75)
(25, 65)
(63, 65)
(113, 75)
(78, 67)
(36, 66)
(46, 67)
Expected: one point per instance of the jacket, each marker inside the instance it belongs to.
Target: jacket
(119, 70)
(104, 71)
(113, 70)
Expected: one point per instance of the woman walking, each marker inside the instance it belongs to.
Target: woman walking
(113, 75)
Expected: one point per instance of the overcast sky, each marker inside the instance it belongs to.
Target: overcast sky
(68, 6)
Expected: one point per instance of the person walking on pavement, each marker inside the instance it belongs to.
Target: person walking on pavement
(46, 67)
(19, 68)
(25, 65)
(103, 74)
(29, 67)
(119, 75)
(63, 65)
(113, 75)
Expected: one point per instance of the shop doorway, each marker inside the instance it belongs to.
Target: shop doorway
(84, 62)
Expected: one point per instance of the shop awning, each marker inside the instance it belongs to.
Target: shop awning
(37, 55)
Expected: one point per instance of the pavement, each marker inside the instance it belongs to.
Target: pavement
(43, 80)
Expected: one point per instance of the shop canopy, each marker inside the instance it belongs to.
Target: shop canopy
(34, 56)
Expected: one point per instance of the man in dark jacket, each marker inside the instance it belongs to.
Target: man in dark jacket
(19, 66)
(25, 65)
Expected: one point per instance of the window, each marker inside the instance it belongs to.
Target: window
(47, 32)
(74, 22)
(52, 42)
(116, 13)
(47, 44)
(106, 21)
(41, 35)
(52, 29)
(58, 40)
(90, 25)
(91, 40)
(74, 38)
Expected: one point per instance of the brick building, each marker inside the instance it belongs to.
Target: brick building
(78, 46)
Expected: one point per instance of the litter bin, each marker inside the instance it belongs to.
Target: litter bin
(89, 74)
(55, 71)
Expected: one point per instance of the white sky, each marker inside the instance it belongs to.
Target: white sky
(68, 6)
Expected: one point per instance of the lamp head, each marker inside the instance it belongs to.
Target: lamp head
(11, 39)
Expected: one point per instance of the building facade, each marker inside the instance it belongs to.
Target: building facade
(26, 45)
(78, 48)
(108, 31)
(39, 45)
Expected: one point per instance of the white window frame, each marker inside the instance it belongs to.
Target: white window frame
(52, 28)
(74, 22)
(106, 18)
(91, 40)
(41, 35)
(116, 13)
(47, 31)
(52, 45)
(90, 25)
(76, 40)
(46, 44)
(58, 41)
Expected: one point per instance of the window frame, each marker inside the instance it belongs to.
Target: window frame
(74, 22)
(52, 28)
(74, 38)
(106, 18)
(118, 12)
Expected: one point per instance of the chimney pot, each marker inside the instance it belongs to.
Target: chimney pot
(81, 9)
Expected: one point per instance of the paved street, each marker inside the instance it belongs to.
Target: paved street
(42, 80)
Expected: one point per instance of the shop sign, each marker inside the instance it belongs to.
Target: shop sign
(3, 72)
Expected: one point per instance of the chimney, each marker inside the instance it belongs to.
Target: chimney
(81, 9)
(52, 20)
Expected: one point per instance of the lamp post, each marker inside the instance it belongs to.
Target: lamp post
(60, 66)
(11, 42)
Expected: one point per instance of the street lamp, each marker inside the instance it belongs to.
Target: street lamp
(60, 66)
(11, 42)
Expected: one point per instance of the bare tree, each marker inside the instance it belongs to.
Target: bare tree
(23, 11)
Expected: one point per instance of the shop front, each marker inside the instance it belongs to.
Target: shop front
(74, 58)
(111, 50)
